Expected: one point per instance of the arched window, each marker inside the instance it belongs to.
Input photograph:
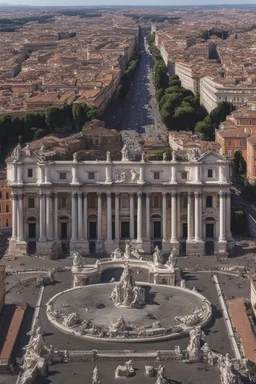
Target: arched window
(209, 202)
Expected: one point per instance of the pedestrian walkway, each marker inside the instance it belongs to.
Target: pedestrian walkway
(243, 327)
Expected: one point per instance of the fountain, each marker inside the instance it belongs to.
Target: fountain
(126, 293)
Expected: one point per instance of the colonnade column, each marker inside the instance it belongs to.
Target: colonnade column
(148, 216)
(109, 217)
(174, 217)
(132, 216)
(189, 215)
(42, 218)
(222, 216)
(228, 217)
(164, 210)
(14, 216)
(20, 227)
(99, 218)
(80, 216)
(56, 216)
(117, 224)
(197, 216)
(178, 216)
(139, 218)
(74, 217)
(49, 216)
(85, 217)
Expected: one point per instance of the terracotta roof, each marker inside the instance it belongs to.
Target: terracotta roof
(233, 132)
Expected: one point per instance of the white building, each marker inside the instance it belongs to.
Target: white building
(63, 206)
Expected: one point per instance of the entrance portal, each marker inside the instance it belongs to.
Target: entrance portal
(32, 230)
(125, 229)
(92, 230)
(157, 230)
(64, 231)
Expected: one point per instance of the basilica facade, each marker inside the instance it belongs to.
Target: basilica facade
(65, 206)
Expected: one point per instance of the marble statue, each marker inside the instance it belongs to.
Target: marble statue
(119, 325)
(70, 320)
(183, 283)
(125, 153)
(124, 293)
(174, 155)
(149, 371)
(36, 344)
(171, 261)
(177, 350)
(116, 255)
(193, 154)
(77, 260)
(164, 156)
(120, 176)
(16, 154)
(95, 376)
(65, 357)
(158, 257)
(42, 149)
(126, 370)
(143, 157)
(227, 373)
(194, 346)
(134, 175)
(28, 150)
(127, 252)
(75, 157)
(160, 379)
(191, 320)
(108, 157)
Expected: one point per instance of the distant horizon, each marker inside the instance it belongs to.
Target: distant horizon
(126, 3)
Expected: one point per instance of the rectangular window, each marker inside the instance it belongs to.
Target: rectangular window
(91, 175)
(244, 123)
(7, 195)
(7, 223)
(229, 153)
(31, 202)
(7, 209)
(63, 176)
(30, 172)
(124, 202)
(241, 143)
(184, 175)
(229, 143)
(210, 173)
(0, 208)
(156, 175)
(0, 195)
(238, 122)
(250, 122)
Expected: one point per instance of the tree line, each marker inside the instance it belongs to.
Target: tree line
(34, 125)
(180, 108)
(127, 78)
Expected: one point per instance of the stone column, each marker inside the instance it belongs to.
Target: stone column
(174, 217)
(19, 173)
(164, 209)
(42, 218)
(74, 174)
(108, 174)
(148, 216)
(139, 218)
(41, 173)
(132, 216)
(109, 217)
(56, 217)
(117, 224)
(74, 217)
(49, 216)
(178, 216)
(197, 216)
(14, 216)
(228, 217)
(189, 215)
(141, 178)
(174, 174)
(80, 216)
(99, 218)
(14, 173)
(197, 173)
(47, 174)
(85, 217)
(21, 227)
(222, 216)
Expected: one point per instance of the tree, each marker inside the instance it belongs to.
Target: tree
(219, 114)
(206, 130)
(79, 113)
(184, 117)
(170, 101)
(37, 133)
(238, 164)
(174, 77)
(93, 112)
(159, 94)
(174, 89)
(161, 78)
(174, 83)
(55, 117)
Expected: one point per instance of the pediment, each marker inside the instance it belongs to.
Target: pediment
(212, 157)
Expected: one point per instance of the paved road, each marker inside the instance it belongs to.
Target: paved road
(139, 115)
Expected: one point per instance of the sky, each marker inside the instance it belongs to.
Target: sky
(125, 2)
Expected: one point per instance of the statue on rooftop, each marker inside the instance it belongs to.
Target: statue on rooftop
(174, 155)
(42, 149)
(16, 154)
(28, 150)
(157, 257)
(108, 157)
(125, 153)
(75, 157)
(164, 156)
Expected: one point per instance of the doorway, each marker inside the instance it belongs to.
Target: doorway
(157, 230)
(32, 230)
(184, 231)
(63, 231)
(125, 229)
(209, 248)
(210, 231)
(92, 230)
